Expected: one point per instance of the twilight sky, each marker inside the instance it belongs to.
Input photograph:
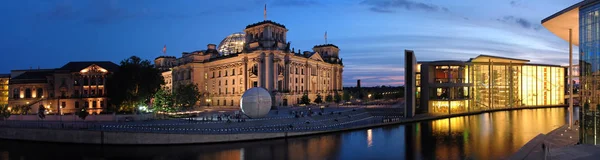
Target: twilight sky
(372, 34)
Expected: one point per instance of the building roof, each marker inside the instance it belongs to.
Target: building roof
(560, 22)
(326, 45)
(164, 57)
(78, 66)
(4, 75)
(32, 76)
(265, 22)
(487, 58)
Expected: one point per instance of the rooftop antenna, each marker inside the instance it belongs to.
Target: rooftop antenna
(265, 12)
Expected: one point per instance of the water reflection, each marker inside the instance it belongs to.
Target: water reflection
(484, 136)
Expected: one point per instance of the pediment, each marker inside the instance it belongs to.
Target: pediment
(316, 56)
(93, 69)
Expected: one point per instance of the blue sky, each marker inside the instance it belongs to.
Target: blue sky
(372, 34)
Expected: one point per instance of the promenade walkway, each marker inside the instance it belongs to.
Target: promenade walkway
(554, 141)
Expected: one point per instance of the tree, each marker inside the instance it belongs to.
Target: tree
(346, 96)
(133, 84)
(329, 98)
(318, 99)
(4, 111)
(163, 101)
(186, 95)
(82, 113)
(305, 99)
(337, 98)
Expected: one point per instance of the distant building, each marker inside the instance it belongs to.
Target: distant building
(4, 80)
(62, 90)
(487, 82)
(260, 57)
(358, 83)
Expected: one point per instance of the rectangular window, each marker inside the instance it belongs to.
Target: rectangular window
(101, 104)
(63, 104)
(232, 71)
(76, 104)
(94, 104)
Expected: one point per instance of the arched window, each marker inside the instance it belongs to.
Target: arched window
(232, 102)
(27, 93)
(233, 72)
(39, 92)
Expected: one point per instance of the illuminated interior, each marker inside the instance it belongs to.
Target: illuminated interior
(489, 82)
(3, 91)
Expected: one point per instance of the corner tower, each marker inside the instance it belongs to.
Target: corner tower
(265, 35)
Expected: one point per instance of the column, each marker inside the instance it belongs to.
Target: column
(80, 81)
(269, 72)
(571, 80)
(103, 85)
(307, 80)
(96, 79)
(260, 72)
(245, 73)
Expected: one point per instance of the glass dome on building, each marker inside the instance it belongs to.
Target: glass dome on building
(233, 43)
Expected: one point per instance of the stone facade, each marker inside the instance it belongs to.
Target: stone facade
(266, 61)
(62, 90)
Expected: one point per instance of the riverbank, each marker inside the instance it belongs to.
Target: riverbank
(356, 120)
(540, 146)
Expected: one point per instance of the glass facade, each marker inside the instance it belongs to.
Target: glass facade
(476, 86)
(589, 61)
(508, 85)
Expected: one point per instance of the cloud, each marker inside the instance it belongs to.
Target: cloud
(391, 6)
(523, 23)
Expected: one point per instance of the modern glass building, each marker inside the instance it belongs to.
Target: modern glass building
(579, 25)
(487, 82)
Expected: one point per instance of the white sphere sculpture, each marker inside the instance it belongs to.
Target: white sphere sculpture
(256, 102)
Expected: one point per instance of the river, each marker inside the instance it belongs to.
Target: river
(484, 136)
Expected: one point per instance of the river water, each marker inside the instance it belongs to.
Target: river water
(485, 136)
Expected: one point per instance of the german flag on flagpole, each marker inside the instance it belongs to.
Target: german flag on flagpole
(265, 12)
(165, 49)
